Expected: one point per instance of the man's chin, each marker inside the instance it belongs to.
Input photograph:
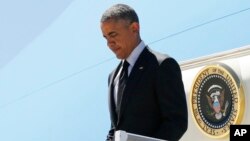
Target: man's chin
(119, 57)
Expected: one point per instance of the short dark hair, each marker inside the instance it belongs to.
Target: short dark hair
(120, 12)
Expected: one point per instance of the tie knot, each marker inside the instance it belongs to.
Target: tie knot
(125, 65)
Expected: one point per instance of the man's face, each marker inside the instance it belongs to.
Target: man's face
(121, 36)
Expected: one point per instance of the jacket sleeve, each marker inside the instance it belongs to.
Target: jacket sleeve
(172, 101)
(110, 136)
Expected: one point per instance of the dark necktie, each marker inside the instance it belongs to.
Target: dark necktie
(122, 83)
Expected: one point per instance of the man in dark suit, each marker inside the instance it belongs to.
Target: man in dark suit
(146, 92)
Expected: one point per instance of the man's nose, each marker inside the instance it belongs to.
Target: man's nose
(110, 42)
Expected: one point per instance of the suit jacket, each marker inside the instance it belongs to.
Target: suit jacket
(154, 101)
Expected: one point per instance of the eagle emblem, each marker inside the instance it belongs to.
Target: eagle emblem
(215, 98)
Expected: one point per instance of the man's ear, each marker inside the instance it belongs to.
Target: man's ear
(135, 27)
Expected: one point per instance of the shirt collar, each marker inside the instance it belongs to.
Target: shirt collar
(135, 53)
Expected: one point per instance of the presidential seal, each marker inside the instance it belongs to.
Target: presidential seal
(217, 100)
